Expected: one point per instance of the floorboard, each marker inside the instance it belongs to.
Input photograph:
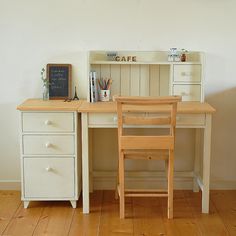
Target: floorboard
(9, 203)
(88, 224)
(209, 224)
(144, 216)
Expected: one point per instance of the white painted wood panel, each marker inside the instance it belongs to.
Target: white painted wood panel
(105, 71)
(154, 80)
(125, 80)
(97, 68)
(144, 80)
(115, 75)
(164, 80)
(49, 178)
(134, 80)
(48, 144)
(47, 122)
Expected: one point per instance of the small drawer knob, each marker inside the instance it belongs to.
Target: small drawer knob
(48, 145)
(48, 168)
(47, 122)
(184, 94)
(177, 118)
(115, 118)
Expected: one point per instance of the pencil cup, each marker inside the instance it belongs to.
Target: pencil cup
(104, 95)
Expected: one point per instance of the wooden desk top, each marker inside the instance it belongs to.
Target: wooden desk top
(106, 107)
(183, 107)
(50, 105)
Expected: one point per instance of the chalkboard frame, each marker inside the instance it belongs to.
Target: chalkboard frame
(69, 68)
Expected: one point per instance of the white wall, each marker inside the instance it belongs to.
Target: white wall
(34, 33)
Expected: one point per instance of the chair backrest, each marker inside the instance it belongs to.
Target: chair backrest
(163, 110)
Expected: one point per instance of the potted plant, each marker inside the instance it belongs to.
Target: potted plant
(45, 85)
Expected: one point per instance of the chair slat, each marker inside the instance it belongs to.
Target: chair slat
(146, 142)
(134, 120)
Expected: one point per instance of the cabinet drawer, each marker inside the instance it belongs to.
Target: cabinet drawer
(188, 92)
(106, 119)
(96, 119)
(49, 177)
(190, 119)
(184, 119)
(48, 144)
(187, 73)
(47, 122)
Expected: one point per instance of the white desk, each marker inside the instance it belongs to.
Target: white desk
(189, 115)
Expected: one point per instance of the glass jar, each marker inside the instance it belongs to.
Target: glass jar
(45, 93)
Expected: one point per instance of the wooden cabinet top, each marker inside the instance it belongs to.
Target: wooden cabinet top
(50, 105)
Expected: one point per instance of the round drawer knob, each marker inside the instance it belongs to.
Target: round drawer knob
(184, 94)
(177, 118)
(48, 168)
(115, 118)
(47, 122)
(48, 145)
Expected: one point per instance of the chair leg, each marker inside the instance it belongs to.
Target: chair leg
(166, 167)
(117, 183)
(170, 184)
(122, 187)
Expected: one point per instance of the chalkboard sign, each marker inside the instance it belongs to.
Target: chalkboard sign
(59, 76)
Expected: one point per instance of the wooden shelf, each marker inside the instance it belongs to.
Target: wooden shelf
(142, 63)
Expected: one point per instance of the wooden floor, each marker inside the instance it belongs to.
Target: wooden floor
(144, 217)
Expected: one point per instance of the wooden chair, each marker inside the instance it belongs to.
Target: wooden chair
(160, 147)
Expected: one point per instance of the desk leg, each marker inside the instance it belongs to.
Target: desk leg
(206, 165)
(85, 163)
(196, 160)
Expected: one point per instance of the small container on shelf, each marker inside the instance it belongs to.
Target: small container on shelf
(183, 56)
(173, 55)
(104, 92)
(104, 95)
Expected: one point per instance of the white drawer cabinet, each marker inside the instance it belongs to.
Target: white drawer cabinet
(50, 156)
(187, 82)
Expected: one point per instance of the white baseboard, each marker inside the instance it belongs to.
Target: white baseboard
(107, 180)
(182, 180)
(10, 185)
(223, 184)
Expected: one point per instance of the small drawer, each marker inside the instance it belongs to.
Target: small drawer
(48, 122)
(184, 119)
(96, 119)
(189, 92)
(190, 119)
(48, 144)
(187, 73)
(49, 177)
(107, 119)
